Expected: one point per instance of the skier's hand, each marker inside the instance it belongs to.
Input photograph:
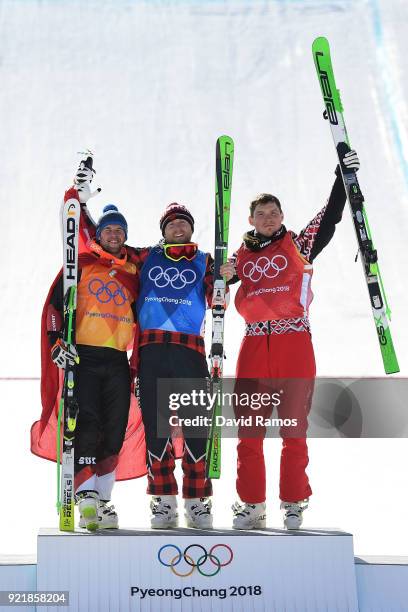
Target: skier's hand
(63, 354)
(228, 269)
(350, 161)
(83, 179)
(84, 192)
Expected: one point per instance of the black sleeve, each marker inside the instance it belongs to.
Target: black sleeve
(332, 215)
(56, 310)
(233, 280)
(209, 279)
(134, 310)
(57, 297)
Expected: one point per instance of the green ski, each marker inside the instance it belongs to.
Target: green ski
(334, 113)
(223, 180)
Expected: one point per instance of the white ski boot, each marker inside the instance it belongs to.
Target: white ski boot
(198, 513)
(108, 518)
(293, 513)
(249, 516)
(88, 509)
(164, 512)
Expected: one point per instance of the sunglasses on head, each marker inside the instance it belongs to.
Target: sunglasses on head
(176, 252)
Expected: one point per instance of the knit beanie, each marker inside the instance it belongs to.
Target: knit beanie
(175, 211)
(111, 216)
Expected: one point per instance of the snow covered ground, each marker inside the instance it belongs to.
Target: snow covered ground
(148, 86)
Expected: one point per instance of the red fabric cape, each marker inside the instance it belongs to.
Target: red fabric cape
(132, 457)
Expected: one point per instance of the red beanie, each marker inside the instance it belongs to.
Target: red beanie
(175, 211)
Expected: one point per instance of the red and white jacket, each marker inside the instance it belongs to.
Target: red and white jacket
(275, 273)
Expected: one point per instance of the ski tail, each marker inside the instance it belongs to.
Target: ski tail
(223, 183)
(368, 254)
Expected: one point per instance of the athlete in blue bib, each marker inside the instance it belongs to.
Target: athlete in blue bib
(173, 293)
(176, 282)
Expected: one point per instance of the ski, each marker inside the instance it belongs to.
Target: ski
(223, 180)
(68, 408)
(368, 254)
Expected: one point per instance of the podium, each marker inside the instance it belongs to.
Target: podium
(188, 569)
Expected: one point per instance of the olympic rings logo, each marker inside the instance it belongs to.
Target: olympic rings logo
(171, 276)
(105, 293)
(264, 266)
(201, 558)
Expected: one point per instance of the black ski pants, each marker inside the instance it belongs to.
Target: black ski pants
(172, 361)
(103, 392)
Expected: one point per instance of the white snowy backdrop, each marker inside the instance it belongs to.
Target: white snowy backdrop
(148, 86)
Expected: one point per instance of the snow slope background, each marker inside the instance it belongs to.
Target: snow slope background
(148, 86)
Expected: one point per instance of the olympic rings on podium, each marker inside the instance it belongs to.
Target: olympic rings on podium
(199, 562)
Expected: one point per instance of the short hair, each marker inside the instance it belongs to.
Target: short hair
(264, 198)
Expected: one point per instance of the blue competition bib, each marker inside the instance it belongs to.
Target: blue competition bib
(172, 293)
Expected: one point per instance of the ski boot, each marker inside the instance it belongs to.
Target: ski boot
(249, 516)
(164, 512)
(293, 513)
(88, 508)
(198, 513)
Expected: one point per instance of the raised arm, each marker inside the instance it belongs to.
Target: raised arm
(318, 233)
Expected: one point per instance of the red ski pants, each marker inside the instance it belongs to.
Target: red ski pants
(284, 356)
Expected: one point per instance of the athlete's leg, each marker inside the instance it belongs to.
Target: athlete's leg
(114, 411)
(190, 373)
(154, 360)
(295, 366)
(88, 431)
(252, 364)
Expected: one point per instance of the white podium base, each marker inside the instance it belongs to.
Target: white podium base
(382, 583)
(272, 569)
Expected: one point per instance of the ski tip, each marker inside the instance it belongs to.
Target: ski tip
(224, 146)
(321, 46)
(224, 138)
(320, 40)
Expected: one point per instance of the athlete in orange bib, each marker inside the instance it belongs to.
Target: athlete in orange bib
(105, 326)
(274, 266)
